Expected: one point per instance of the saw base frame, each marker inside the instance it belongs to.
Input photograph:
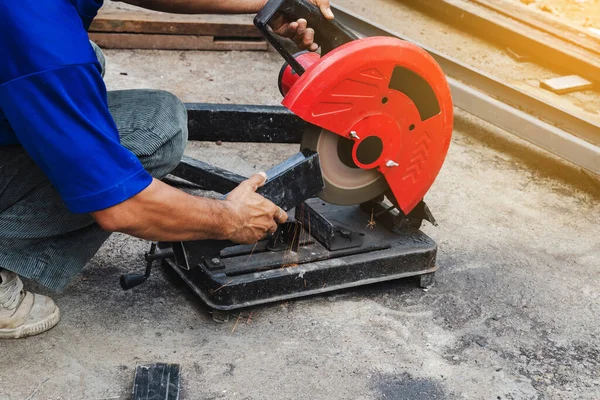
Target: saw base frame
(343, 248)
(323, 248)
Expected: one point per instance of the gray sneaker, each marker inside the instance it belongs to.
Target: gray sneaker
(23, 313)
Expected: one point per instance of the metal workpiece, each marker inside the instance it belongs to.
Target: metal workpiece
(294, 180)
(562, 132)
(288, 184)
(207, 176)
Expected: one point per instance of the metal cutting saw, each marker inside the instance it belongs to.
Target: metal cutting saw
(375, 116)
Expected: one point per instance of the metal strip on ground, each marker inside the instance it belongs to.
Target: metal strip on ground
(496, 103)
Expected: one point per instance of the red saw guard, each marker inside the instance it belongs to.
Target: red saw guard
(390, 89)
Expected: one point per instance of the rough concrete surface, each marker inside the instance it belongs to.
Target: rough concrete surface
(514, 315)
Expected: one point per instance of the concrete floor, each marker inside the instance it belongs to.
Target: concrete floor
(514, 315)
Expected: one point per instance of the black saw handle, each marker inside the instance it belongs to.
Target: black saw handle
(330, 34)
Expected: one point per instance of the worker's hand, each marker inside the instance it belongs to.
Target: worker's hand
(253, 216)
(298, 30)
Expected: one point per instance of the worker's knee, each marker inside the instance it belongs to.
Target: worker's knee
(172, 114)
(153, 125)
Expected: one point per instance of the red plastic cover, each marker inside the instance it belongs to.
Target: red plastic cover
(390, 89)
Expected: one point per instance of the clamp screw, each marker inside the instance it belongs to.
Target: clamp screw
(354, 135)
(391, 164)
(215, 261)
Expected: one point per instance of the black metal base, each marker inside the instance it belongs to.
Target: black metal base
(355, 251)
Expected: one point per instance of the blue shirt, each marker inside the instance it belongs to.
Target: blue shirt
(53, 102)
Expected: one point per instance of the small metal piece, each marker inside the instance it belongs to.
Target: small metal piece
(220, 317)
(156, 381)
(354, 135)
(427, 281)
(391, 164)
(212, 262)
(346, 233)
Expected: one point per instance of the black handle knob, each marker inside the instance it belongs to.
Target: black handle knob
(130, 281)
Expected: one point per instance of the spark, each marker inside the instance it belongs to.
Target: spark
(227, 284)
(236, 323)
(372, 222)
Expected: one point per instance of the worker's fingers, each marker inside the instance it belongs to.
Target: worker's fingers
(273, 228)
(290, 30)
(309, 38)
(314, 47)
(280, 216)
(257, 180)
(302, 25)
(325, 7)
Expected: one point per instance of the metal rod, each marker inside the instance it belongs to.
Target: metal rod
(496, 103)
(207, 176)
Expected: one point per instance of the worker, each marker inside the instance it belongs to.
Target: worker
(78, 162)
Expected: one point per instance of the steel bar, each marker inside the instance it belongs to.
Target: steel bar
(207, 176)
(294, 180)
(243, 123)
(288, 184)
(532, 119)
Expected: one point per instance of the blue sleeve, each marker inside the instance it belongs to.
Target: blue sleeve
(61, 118)
(54, 103)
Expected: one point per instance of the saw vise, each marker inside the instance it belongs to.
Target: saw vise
(373, 117)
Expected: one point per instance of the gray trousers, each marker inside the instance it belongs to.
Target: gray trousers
(39, 238)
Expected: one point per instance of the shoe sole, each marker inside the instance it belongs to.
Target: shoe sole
(32, 329)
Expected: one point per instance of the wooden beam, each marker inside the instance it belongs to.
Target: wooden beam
(127, 21)
(173, 42)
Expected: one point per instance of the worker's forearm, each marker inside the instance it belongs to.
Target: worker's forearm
(163, 213)
(201, 6)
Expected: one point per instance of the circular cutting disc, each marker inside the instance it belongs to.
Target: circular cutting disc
(345, 183)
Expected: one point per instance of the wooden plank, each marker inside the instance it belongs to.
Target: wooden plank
(545, 22)
(566, 84)
(511, 33)
(128, 21)
(173, 42)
